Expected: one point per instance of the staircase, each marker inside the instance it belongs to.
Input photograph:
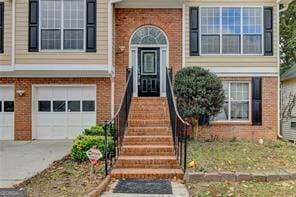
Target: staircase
(147, 151)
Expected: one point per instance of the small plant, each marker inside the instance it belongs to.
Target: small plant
(84, 142)
(200, 95)
(99, 130)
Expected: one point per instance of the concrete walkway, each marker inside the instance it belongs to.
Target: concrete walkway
(23, 159)
(179, 190)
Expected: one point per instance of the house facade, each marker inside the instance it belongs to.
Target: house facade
(63, 63)
(288, 104)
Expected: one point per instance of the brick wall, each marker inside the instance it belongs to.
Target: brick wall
(246, 131)
(126, 23)
(23, 105)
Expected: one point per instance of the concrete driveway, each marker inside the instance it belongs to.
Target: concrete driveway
(20, 160)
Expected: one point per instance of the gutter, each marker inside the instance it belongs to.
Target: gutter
(111, 71)
(13, 34)
(286, 6)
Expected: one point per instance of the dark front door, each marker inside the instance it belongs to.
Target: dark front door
(148, 72)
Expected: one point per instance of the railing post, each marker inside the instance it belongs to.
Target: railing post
(106, 148)
(185, 149)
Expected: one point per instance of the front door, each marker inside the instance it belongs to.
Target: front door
(148, 72)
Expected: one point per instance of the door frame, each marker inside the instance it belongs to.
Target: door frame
(163, 61)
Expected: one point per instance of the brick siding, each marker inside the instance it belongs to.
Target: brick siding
(23, 105)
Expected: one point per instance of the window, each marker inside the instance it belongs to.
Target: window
(293, 124)
(88, 106)
(59, 106)
(44, 106)
(237, 102)
(231, 30)
(73, 106)
(8, 106)
(62, 24)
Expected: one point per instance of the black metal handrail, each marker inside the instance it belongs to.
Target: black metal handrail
(178, 125)
(118, 124)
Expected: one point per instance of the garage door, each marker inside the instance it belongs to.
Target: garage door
(63, 112)
(6, 113)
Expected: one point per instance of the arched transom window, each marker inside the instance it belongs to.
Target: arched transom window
(149, 36)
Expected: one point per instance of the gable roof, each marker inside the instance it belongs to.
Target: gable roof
(289, 74)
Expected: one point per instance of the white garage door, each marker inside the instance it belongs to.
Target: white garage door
(6, 113)
(63, 112)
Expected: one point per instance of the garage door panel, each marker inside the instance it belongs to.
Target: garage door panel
(68, 124)
(6, 118)
(44, 93)
(59, 93)
(89, 119)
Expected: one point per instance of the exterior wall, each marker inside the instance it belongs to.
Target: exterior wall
(23, 105)
(288, 86)
(5, 57)
(25, 57)
(231, 60)
(245, 130)
(128, 20)
(150, 4)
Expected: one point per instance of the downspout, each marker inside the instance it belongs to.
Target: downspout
(278, 65)
(111, 70)
(13, 35)
(279, 62)
(183, 35)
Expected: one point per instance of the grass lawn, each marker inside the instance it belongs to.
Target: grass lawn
(287, 188)
(242, 156)
(64, 178)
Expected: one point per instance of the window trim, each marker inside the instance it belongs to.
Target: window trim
(241, 34)
(229, 106)
(62, 32)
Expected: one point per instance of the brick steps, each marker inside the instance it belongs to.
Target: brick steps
(148, 123)
(142, 173)
(147, 151)
(147, 162)
(148, 131)
(148, 140)
(148, 116)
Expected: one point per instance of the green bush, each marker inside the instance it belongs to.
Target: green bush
(99, 130)
(84, 142)
(200, 95)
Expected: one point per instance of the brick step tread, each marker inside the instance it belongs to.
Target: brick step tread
(148, 116)
(148, 131)
(149, 146)
(148, 140)
(143, 158)
(148, 136)
(150, 173)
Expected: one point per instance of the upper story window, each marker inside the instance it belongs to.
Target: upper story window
(231, 30)
(62, 25)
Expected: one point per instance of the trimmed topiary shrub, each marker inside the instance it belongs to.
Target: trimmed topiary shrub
(84, 142)
(200, 95)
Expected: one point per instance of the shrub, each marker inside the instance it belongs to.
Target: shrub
(99, 130)
(199, 94)
(84, 142)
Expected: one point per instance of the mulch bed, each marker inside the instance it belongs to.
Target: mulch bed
(64, 178)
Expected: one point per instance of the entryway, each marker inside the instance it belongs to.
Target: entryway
(149, 60)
